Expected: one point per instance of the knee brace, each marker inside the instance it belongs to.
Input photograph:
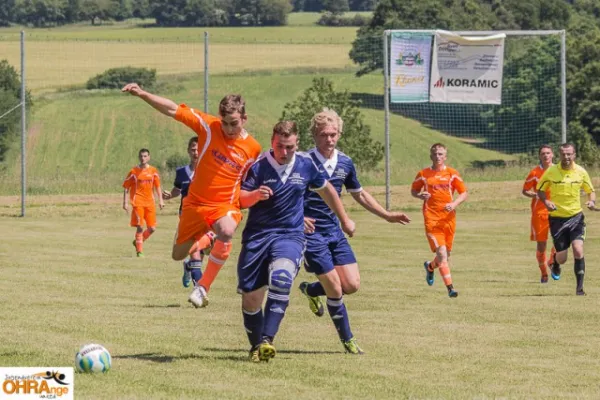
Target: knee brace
(282, 272)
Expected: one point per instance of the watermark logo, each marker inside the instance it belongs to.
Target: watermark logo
(36, 383)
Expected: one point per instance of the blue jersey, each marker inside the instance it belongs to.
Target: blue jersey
(183, 178)
(283, 212)
(339, 171)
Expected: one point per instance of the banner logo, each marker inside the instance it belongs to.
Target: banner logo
(36, 383)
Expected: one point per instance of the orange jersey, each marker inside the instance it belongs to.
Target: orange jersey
(140, 182)
(222, 162)
(441, 186)
(537, 206)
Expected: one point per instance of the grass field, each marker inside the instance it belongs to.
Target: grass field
(85, 143)
(71, 278)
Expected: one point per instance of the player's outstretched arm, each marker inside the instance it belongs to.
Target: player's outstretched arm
(330, 196)
(163, 105)
(369, 203)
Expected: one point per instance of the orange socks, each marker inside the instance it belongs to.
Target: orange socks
(541, 259)
(146, 234)
(203, 243)
(432, 265)
(445, 272)
(217, 258)
(139, 242)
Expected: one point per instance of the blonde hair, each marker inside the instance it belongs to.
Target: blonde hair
(326, 117)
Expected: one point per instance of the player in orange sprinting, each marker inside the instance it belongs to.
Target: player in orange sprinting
(436, 186)
(226, 153)
(142, 183)
(539, 214)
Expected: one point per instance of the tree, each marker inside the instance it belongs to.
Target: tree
(356, 139)
(94, 10)
(336, 6)
(10, 96)
(7, 10)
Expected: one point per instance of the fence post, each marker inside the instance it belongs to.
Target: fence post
(23, 125)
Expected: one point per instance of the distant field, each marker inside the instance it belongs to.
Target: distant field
(85, 142)
(71, 277)
(285, 34)
(56, 64)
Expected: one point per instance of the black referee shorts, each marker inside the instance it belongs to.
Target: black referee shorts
(565, 230)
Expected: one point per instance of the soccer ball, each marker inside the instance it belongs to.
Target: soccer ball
(92, 358)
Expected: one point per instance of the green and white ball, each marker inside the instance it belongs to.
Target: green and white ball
(92, 358)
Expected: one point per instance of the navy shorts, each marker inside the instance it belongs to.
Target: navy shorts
(257, 255)
(565, 230)
(326, 250)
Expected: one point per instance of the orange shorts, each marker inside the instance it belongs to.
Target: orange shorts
(143, 215)
(440, 233)
(539, 227)
(195, 221)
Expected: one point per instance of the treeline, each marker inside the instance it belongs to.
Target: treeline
(536, 85)
(48, 13)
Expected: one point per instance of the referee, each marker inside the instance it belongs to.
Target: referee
(567, 224)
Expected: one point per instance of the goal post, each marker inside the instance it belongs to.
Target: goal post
(532, 110)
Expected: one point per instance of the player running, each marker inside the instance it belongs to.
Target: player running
(142, 183)
(212, 203)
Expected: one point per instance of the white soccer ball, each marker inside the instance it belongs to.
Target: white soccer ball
(92, 358)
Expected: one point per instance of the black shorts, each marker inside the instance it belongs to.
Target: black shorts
(565, 230)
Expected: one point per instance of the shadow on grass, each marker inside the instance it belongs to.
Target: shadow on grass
(221, 354)
(161, 306)
(537, 295)
(162, 358)
(216, 349)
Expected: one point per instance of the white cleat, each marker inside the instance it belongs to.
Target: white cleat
(198, 297)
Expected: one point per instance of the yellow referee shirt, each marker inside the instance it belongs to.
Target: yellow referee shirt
(565, 188)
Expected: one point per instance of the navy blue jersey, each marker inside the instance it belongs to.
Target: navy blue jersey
(283, 212)
(183, 178)
(339, 171)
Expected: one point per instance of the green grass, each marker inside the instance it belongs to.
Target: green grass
(72, 278)
(86, 143)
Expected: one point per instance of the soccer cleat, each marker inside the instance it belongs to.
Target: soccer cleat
(544, 278)
(452, 293)
(254, 354)
(555, 271)
(315, 303)
(429, 275)
(140, 254)
(580, 292)
(198, 297)
(186, 278)
(351, 347)
(266, 350)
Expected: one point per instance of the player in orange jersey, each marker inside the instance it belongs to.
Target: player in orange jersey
(436, 186)
(226, 153)
(539, 214)
(142, 183)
